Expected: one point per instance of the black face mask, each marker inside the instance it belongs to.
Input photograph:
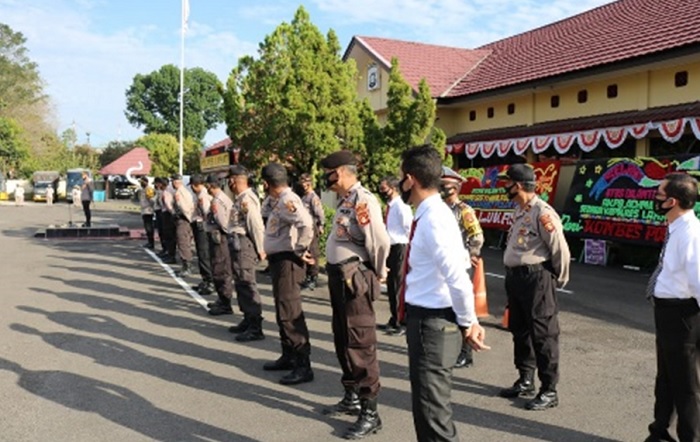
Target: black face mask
(510, 195)
(661, 210)
(405, 194)
(446, 192)
(327, 179)
(384, 196)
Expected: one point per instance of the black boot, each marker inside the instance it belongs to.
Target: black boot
(367, 423)
(546, 398)
(524, 386)
(254, 331)
(285, 362)
(241, 327)
(301, 373)
(206, 288)
(465, 358)
(349, 404)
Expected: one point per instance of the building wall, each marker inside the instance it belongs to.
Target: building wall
(378, 97)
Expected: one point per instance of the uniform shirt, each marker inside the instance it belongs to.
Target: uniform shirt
(246, 218)
(313, 205)
(145, 202)
(398, 221)
(472, 235)
(266, 206)
(219, 213)
(168, 196)
(201, 210)
(184, 203)
(158, 200)
(536, 236)
(436, 277)
(359, 231)
(289, 226)
(680, 267)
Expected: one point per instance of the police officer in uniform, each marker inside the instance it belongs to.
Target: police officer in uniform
(246, 243)
(312, 203)
(146, 199)
(158, 212)
(288, 235)
(217, 227)
(472, 237)
(537, 263)
(357, 248)
(201, 241)
(168, 205)
(183, 214)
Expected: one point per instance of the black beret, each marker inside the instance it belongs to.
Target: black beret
(176, 177)
(274, 172)
(337, 159)
(196, 180)
(237, 170)
(521, 173)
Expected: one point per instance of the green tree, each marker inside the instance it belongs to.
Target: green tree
(163, 150)
(152, 102)
(20, 82)
(296, 101)
(13, 146)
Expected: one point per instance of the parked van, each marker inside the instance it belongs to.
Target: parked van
(41, 181)
(74, 177)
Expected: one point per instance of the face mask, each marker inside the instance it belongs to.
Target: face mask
(405, 194)
(384, 196)
(510, 195)
(328, 180)
(446, 192)
(661, 210)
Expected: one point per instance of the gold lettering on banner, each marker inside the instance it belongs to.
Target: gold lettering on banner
(214, 162)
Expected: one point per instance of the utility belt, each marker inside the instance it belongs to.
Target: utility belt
(282, 256)
(359, 278)
(417, 312)
(689, 305)
(352, 261)
(529, 269)
(235, 241)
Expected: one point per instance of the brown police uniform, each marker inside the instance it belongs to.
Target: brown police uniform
(158, 212)
(146, 198)
(184, 212)
(201, 239)
(217, 233)
(246, 244)
(312, 203)
(169, 231)
(537, 262)
(357, 248)
(288, 234)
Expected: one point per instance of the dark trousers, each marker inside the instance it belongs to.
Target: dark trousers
(148, 225)
(244, 259)
(534, 322)
(221, 266)
(678, 368)
(201, 243)
(312, 270)
(433, 341)
(159, 227)
(88, 213)
(287, 272)
(183, 236)
(352, 290)
(169, 233)
(395, 260)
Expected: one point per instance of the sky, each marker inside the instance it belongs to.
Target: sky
(89, 51)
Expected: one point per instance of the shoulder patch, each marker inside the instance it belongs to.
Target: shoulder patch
(362, 212)
(290, 206)
(244, 206)
(547, 223)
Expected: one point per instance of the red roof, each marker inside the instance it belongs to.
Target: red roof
(622, 30)
(138, 156)
(441, 66)
(223, 143)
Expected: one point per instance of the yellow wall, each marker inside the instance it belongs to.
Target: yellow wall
(378, 97)
(664, 96)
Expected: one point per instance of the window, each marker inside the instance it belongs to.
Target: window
(554, 101)
(511, 108)
(472, 115)
(582, 96)
(489, 112)
(612, 91)
(681, 78)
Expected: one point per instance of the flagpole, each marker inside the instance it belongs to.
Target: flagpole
(183, 23)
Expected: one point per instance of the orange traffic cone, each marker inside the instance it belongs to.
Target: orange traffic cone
(504, 321)
(480, 304)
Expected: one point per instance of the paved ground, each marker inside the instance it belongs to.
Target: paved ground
(100, 343)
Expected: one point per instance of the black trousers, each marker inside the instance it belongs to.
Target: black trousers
(395, 262)
(169, 233)
(244, 259)
(287, 272)
(534, 322)
(353, 323)
(434, 340)
(201, 243)
(87, 212)
(678, 368)
(159, 228)
(221, 266)
(148, 225)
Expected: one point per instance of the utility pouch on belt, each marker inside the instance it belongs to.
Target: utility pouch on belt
(216, 237)
(355, 281)
(235, 242)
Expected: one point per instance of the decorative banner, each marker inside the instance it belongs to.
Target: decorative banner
(588, 140)
(671, 131)
(615, 136)
(563, 142)
(487, 149)
(541, 143)
(503, 147)
(472, 150)
(639, 131)
(487, 196)
(210, 163)
(521, 145)
(613, 198)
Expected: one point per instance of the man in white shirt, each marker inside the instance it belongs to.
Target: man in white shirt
(439, 297)
(675, 287)
(398, 218)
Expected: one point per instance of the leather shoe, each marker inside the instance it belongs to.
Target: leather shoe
(169, 259)
(250, 335)
(464, 360)
(218, 310)
(284, 362)
(206, 289)
(349, 404)
(241, 327)
(396, 331)
(368, 422)
(543, 401)
(523, 387)
(298, 376)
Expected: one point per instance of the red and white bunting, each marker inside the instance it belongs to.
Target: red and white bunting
(458, 148)
(695, 125)
(487, 149)
(588, 140)
(639, 131)
(503, 147)
(472, 150)
(671, 131)
(615, 136)
(563, 142)
(541, 143)
(521, 145)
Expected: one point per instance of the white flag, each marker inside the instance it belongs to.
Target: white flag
(185, 14)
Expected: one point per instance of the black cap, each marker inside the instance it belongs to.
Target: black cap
(337, 159)
(213, 179)
(521, 173)
(196, 180)
(237, 170)
(176, 176)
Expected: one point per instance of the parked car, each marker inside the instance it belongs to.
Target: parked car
(123, 189)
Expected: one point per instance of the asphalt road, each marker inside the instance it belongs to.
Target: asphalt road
(100, 343)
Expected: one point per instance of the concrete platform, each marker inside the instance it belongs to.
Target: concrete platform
(99, 231)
